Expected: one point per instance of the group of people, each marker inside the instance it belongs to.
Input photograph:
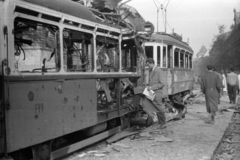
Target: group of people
(213, 84)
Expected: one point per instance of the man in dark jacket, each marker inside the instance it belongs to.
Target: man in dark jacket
(211, 87)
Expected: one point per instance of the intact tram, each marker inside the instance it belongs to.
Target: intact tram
(174, 57)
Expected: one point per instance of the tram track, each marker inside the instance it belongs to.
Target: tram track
(229, 146)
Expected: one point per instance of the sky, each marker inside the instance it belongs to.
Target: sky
(196, 20)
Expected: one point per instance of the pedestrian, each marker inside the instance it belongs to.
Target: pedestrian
(224, 83)
(232, 82)
(155, 84)
(238, 81)
(221, 79)
(211, 86)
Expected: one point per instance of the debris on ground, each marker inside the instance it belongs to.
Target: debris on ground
(162, 139)
(123, 134)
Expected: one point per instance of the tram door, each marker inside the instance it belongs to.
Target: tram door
(170, 68)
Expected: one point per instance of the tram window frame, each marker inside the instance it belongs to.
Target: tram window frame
(37, 46)
(129, 56)
(78, 51)
(107, 54)
(176, 58)
(181, 59)
(149, 51)
(169, 56)
(159, 56)
(164, 57)
(190, 61)
(186, 59)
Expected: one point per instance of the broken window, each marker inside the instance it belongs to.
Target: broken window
(176, 57)
(129, 56)
(77, 51)
(107, 54)
(36, 46)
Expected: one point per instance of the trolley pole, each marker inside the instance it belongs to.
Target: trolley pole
(157, 12)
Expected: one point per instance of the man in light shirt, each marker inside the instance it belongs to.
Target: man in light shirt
(232, 82)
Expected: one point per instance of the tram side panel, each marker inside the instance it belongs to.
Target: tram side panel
(182, 80)
(40, 111)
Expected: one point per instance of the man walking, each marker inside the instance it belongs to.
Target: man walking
(232, 82)
(221, 79)
(211, 86)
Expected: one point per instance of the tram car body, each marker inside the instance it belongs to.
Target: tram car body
(64, 72)
(174, 57)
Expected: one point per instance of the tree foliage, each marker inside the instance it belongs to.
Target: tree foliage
(224, 52)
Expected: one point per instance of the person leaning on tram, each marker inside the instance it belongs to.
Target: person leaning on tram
(155, 84)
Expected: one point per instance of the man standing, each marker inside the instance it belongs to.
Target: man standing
(224, 83)
(211, 86)
(221, 79)
(232, 82)
(156, 85)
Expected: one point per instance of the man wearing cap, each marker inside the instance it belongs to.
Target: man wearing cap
(211, 87)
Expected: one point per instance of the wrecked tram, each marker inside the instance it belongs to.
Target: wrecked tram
(65, 75)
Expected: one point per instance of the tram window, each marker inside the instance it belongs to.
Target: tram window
(182, 58)
(164, 57)
(158, 56)
(149, 51)
(169, 57)
(186, 60)
(36, 46)
(107, 54)
(190, 61)
(129, 56)
(176, 57)
(77, 51)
